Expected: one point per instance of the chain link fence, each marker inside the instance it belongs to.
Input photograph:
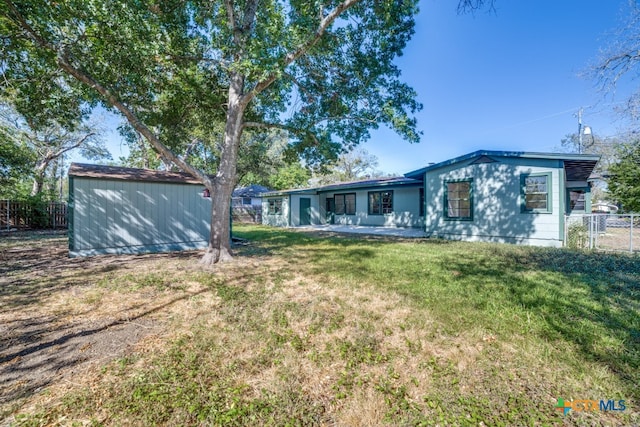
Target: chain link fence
(605, 232)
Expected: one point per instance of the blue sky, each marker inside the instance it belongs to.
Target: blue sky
(506, 80)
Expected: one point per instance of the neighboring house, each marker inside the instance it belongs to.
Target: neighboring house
(248, 196)
(115, 210)
(513, 197)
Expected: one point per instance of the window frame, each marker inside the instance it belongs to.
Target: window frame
(337, 196)
(523, 193)
(273, 208)
(380, 203)
(447, 216)
(584, 191)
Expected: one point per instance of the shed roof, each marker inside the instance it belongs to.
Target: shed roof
(578, 164)
(84, 170)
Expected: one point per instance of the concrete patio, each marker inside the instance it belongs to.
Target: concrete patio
(373, 231)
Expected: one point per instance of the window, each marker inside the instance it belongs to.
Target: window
(345, 204)
(380, 202)
(422, 202)
(246, 200)
(458, 200)
(275, 206)
(536, 192)
(577, 200)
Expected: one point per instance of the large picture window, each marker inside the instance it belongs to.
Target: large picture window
(536, 192)
(275, 206)
(458, 199)
(345, 204)
(380, 202)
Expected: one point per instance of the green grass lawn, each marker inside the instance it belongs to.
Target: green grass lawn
(306, 330)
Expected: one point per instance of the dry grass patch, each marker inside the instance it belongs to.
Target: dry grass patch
(305, 331)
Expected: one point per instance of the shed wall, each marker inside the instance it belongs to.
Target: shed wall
(116, 216)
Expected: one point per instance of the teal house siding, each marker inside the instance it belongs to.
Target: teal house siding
(496, 203)
(314, 209)
(405, 208)
(280, 219)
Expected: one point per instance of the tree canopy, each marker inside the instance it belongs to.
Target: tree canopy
(624, 182)
(323, 72)
(31, 153)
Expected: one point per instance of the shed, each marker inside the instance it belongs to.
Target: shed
(116, 210)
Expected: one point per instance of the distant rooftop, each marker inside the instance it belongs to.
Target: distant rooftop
(251, 191)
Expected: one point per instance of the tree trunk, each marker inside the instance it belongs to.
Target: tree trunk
(38, 178)
(219, 248)
(38, 182)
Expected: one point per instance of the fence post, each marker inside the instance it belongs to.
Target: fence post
(631, 235)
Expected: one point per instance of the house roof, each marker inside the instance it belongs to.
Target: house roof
(578, 166)
(366, 183)
(251, 191)
(129, 174)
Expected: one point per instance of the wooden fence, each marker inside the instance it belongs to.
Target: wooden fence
(247, 214)
(26, 215)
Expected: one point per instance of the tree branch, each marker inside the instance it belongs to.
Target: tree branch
(228, 4)
(283, 127)
(300, 50)
(73, 146)
(108, 95)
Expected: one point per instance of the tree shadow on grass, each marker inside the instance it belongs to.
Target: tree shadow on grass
(31, 269)
(589, 299)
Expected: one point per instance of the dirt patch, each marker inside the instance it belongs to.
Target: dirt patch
(59, 321)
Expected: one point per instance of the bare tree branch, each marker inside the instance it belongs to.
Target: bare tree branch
(283, 127)
(470, 6)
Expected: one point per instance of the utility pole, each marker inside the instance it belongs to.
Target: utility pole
(580, 130)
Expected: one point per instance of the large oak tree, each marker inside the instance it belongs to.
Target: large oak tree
(321, 70)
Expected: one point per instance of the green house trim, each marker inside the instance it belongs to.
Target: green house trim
(587, 200)
(70, 205)
(523, 206)
(561, 200)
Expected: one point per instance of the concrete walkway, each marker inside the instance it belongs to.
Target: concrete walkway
(359, 229)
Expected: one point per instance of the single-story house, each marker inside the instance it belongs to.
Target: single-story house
(248, 197)
(116, 210)
(501, 196)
